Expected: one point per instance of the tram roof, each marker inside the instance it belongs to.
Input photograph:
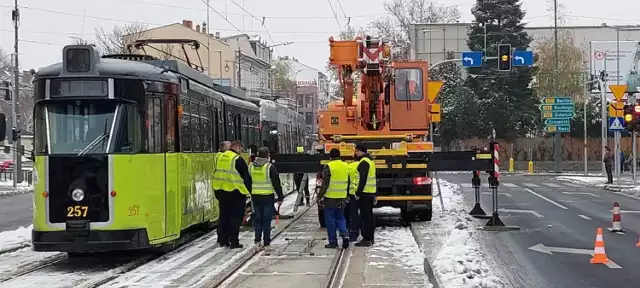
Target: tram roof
(116, 68)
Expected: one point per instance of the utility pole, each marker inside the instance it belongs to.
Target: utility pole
(239, 69)
(557, 139)
(17, 165)
(584, 119)
(616, 134)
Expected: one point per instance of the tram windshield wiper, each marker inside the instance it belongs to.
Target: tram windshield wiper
(95, 141)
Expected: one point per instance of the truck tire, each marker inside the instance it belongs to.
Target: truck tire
(408, 216)
(425, 215)
(321, 218)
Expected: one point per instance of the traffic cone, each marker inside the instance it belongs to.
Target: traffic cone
(638, 244)
(617, 220)
(599, 256)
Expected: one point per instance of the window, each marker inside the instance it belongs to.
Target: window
(195, 126)
(408, 85)
(170, 111)
(130, 135)
(205, 127)
(308, 118)
(186, 126)
(154, 125)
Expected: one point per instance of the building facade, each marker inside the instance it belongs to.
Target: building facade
(253, 65)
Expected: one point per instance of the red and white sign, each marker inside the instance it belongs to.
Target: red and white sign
(598, 55)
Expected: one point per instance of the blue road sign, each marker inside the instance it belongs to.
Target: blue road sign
(522, 58)
(616, 123)
(556, 100)
(557, 107)
(558, 122)
(557, 128)
(472, 59)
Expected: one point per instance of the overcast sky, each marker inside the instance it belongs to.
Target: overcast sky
(47, 25)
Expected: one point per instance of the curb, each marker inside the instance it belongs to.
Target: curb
(613, 188)
(428, 269)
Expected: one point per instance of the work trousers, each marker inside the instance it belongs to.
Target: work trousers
(262, 215)
(366, 214)
(352, 215)
(608, 168)
(297, 178)
(334, 218)
(230, 219)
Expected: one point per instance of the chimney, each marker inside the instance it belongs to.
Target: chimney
(217, 35)
(198, 28)
(187, 23)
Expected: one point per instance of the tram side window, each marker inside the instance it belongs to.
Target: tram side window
(195, 126)
(154, 125)
(170, 111)
(205, 127)
(186, 127)
(130, 136)
(232, 129)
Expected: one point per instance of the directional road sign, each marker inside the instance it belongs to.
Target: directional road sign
(557, 100)
(558, 121)
(616, 123)
(557, 107)
(522, 58)
(472, 59)
(549, 114)
(616, 109)
(557, 129)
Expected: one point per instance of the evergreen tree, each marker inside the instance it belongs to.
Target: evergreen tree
(505, 99)
(457, 102)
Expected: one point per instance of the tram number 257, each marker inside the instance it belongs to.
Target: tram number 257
(77, 211)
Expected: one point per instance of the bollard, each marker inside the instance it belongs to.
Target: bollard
(530, 167)
(511, 164)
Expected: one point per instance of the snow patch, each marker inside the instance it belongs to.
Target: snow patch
(399, 243)
(15, 238)
(461, 262)
(21, 188)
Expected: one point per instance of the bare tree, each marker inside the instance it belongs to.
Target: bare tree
(115, 41)
(166, 52)
(25, 99)
(396, 27)
(81, 41)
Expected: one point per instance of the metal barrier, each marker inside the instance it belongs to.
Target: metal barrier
(7, 175)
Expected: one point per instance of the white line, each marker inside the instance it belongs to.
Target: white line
(545, 198)
(466, 185)
(581, 193)
(521, 211)
(510, 185)
(612, 264)
(584, 217)
(501, 193)
(552, 185)
(531, 185)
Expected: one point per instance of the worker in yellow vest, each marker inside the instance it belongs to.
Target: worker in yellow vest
(333, 196)
(352, 212)
(216, 184)
(366, 194)
(232, 188)
(265, 183)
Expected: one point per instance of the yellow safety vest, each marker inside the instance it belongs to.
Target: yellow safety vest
(261, 180)
(354, 177)
(226, 174)
(339, 181)
(370, 187)
(300, 149)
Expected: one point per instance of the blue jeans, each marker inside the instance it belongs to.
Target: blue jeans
(334, 218)
(262, 215)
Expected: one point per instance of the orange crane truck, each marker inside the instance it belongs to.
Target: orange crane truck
(389, 111)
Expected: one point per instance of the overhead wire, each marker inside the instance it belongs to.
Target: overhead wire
(335, 15)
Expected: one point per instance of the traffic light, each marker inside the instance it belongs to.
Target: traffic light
(632, 117)
(504, 57)
(15, 134)
(6, 90)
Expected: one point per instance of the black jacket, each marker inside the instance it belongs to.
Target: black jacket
(363, 170)
(243, 170)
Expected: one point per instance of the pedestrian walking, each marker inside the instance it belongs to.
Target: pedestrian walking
(608, 164)
(265, 183)
(232, 188)
(366, 194)
(352, 213)
(333, 196)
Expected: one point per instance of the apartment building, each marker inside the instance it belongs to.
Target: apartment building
(253, 61)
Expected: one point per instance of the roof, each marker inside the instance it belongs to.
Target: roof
(116, 68)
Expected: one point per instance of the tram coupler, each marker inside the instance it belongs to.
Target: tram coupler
(477, 210)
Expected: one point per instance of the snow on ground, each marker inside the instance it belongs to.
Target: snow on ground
(10, 240)
(452, 246)
(625, 185)
(6, 188)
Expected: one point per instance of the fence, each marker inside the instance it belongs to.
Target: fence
(7, 175)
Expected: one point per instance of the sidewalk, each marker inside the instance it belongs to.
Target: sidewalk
(624, 184)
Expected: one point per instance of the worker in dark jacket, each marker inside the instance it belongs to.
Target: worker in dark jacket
(297, 179)
(333, 197)
(232, 187)
(366, 194)
(266, 183)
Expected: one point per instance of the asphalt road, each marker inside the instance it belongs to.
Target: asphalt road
(556, 216)
(16, 211)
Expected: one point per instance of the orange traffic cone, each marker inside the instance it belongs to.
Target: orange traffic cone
(617, 220)
(638, 244)
(599, 256)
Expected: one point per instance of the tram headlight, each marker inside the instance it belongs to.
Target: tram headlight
(77, 195)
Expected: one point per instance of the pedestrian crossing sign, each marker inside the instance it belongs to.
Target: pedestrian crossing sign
(616, 124)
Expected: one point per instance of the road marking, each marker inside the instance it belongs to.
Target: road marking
(510, 185)
(545, 198)
(584, 217)
(627, 195)
(548, 250)
(581, 193)
(552, 185)
(466, 185)
(521, 211)
(501, 193)
(627, 211)
(573, 184)
(531, 185)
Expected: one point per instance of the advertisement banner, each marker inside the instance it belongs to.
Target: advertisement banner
(604, 58)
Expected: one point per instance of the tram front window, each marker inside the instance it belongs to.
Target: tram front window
(77, 127)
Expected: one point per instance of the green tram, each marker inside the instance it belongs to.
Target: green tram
(124, 151)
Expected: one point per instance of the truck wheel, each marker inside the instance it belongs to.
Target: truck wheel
(408, 216)
(425, 215)
(321, 218)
